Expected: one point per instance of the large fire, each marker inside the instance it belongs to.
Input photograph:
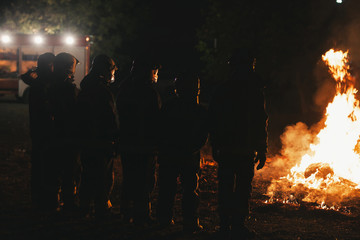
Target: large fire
(328, 172)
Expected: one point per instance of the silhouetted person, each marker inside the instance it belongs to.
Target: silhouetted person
(98, 132)
(63, 98)
(138, 106)
(238, 130)
(40, 122)
(184, 130)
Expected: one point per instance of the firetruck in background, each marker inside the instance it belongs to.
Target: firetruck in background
(19, 53)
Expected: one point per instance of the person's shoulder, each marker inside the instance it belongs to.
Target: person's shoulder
(85, 82)
(29, 78)
(127, 87)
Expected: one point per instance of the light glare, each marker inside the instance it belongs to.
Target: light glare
(38, 40)
(69, 40)
(5, 39)
(339, 1)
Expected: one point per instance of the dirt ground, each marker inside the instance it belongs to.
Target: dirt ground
(269, 221)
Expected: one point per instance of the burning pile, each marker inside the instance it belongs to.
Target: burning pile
(328, 171)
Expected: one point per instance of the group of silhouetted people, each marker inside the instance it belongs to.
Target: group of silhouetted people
(77, 133)
(52, 111)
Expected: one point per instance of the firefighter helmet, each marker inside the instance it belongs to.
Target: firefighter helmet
(102, 63)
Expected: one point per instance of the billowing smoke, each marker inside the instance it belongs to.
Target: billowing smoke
(296, 141)
(319, 166)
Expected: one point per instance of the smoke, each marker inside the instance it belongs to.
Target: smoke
(345, 35)
(325, 87)
(296, 140)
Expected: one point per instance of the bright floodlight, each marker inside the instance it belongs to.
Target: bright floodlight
(339, 1)
(38, 40)
(5, 38)
(69, 40)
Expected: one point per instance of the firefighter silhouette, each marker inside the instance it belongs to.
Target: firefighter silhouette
(63, 99)
(40, 131)
(138, 105)
(238, 135)
(183, 131)
(98, 124)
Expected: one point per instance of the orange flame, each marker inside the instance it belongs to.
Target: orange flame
(338, 64)
(330, 169)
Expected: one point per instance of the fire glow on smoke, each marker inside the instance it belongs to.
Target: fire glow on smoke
(328, 171)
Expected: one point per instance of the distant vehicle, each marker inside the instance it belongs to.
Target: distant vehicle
(19, 53)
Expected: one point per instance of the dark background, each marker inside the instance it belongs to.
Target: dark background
(288, 38)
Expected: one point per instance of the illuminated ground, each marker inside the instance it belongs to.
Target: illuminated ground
(276, 221)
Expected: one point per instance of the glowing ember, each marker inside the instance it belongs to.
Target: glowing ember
(207, 162)
(329, 171)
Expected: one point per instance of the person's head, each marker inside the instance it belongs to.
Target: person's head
(242, 59)
(65, 65)
(144, 68)
(45, 63)
(187, 86)
(104, 67)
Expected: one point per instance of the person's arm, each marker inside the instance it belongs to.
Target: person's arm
(262, 134)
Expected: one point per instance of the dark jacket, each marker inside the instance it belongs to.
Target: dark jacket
(238, 117)
(98, 118)
(184, 127)
(63, 99)
(40, 114)
(138, 105)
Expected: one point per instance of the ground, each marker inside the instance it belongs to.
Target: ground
(269, 221)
